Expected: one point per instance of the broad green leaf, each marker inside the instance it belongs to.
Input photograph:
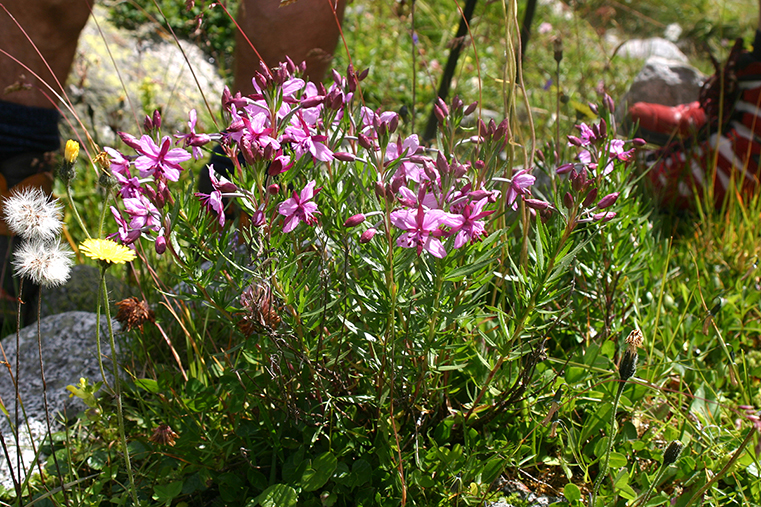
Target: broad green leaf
(278, 495)
(572, 492)
(319, 472)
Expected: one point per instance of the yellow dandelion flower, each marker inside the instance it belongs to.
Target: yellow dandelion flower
(107, 250)
(71, 152)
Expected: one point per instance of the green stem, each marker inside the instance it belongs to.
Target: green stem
(604, 467)
(644, 499)
(76, 213)
(117, 385)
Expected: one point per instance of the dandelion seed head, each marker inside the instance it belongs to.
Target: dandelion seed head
(30, 214)
(44, 263)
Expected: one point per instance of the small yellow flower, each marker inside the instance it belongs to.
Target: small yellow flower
(107, 250)
(72, 151)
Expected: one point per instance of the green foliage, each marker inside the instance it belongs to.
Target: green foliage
(368, 374)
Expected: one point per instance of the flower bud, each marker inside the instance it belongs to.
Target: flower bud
(604, 217)
(608, 103)
(365, 141)
(564, 169)
(439, 113)
(472, 107)
(380, 190)
(129, 140)
(106, 179)
(671, 454)
(639, 142)
(273, 189)
(160, 245)
(147, 123)
(568, 200)
(312, 101)
(557, 45)
(156, 119)
(537, 204)
(456, 103)
(367, 235)
(344, 157)
(354, 220)
(608, 201)
(628, 365)
(590, 198)
(593, 107)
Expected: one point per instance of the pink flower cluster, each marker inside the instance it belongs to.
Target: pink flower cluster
(288, 123)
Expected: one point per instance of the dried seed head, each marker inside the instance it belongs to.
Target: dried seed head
(133, 313)
(164, 435)
(671, 454)
(259, 312)
(634, 340)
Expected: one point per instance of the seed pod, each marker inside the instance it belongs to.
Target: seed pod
(671, 454)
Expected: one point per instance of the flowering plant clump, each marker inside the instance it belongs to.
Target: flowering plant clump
(346, 274)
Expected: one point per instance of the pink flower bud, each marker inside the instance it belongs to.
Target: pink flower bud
(160, 245)
(605, 216)
(568, 200)
(147, 123)
(608, 201)
(273, 189)
(590, 198)
(354, 220)
(472, 107)
(537, 204)
(156, 119)
(129, 141)
(456, 103)
(344, 157)
(573, 140)
(365, 141)
(367, 235)
(312, 101)
(380, 190)
(608, 102)
(564, 169)
(639, 142)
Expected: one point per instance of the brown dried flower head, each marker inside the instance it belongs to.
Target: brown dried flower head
(259, 311)
(634, 340)
(164, 435)
(133, 313)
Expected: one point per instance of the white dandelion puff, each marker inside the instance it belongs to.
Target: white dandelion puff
(32, 215)
(44, 263)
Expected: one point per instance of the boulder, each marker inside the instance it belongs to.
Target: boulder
(662, 81)
(69, 352)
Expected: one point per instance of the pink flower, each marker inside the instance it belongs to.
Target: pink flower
(423, 229)
(119, 163)
(160, 162)
(519, 186)
(192, 139)
(472, 227)
(299, 208)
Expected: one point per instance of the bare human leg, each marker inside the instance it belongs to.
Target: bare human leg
(305, 30)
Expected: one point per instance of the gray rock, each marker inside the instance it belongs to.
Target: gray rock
(645, 48)
(155, 74)
(80, 293)
(662, 81)
(69, 353)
